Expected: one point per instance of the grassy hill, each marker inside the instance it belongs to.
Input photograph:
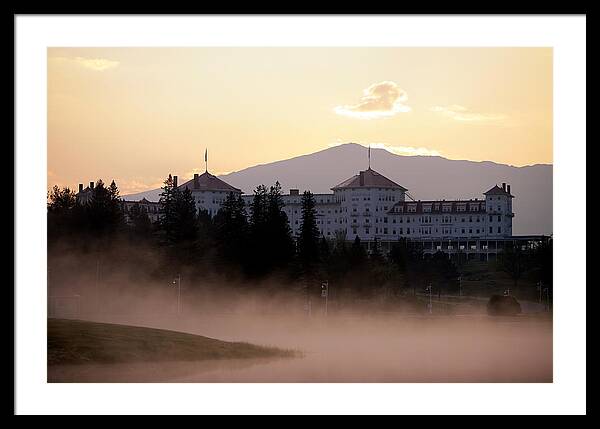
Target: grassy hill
(81, 342)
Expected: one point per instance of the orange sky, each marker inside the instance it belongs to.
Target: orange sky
(138, 114)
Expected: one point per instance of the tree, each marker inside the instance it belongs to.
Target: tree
(272, 245)
(63, 213)
(257, 261)
(179, 220)
(279, 237)
(168, 221)
(358, 254)
(308, 240)
(513, 262)
(186, 214)
(231, 227)
(407, 256)
(140, 223)
(103, 211)
(61, 200)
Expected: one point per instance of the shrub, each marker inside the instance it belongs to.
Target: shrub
(499, 305)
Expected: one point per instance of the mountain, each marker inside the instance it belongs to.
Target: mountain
(426, 177)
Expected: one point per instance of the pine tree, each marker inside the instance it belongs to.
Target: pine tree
(258, 262)
(104, 210)
(231, 227)
(168, 221)
(185, 206)
(308, 240)
(279, 236)
(139, 221)
(358, 255)
(62, 213)
(258, 210)
(61, 200)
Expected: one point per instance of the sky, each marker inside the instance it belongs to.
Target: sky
(137, 114)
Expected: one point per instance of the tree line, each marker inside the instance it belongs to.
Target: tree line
(254, 243)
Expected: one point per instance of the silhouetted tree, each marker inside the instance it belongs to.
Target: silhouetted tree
(168, 221)
(179, 221)
(358, 254)
(61, 200)
(258, 262)
(279, 237)
(103, 211)
(308, 239)
(140, 224)
(186, 214)
(513, 262)
(407, 256)
(63, 213)
(231, 228)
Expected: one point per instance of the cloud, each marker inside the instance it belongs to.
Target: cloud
(383, 99)
(398, 150)
(461, 113)
(95, 64)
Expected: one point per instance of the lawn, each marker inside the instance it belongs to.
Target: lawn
(82, 342)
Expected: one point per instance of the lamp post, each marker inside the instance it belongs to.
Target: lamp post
(325, 293)
(178, 282)
(459, 285)
(539, 287)
(430, 301)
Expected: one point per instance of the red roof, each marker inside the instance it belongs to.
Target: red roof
(497, 190)
(208, 182)
(368, 179)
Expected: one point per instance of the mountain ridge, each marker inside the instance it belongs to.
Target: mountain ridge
(426, 177)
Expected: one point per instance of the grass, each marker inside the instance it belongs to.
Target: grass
(82, 342)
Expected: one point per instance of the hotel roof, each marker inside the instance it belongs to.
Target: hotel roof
(497, 190)
(207, 182)
(368, 179)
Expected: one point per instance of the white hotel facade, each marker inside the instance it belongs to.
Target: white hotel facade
(379, 211)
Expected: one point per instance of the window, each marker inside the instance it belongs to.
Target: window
(491, 230)
(499, 218)
(366, 230)
(499, 230)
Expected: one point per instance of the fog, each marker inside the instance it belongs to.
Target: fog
(352, 343)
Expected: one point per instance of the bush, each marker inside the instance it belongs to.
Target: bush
(499, 305)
